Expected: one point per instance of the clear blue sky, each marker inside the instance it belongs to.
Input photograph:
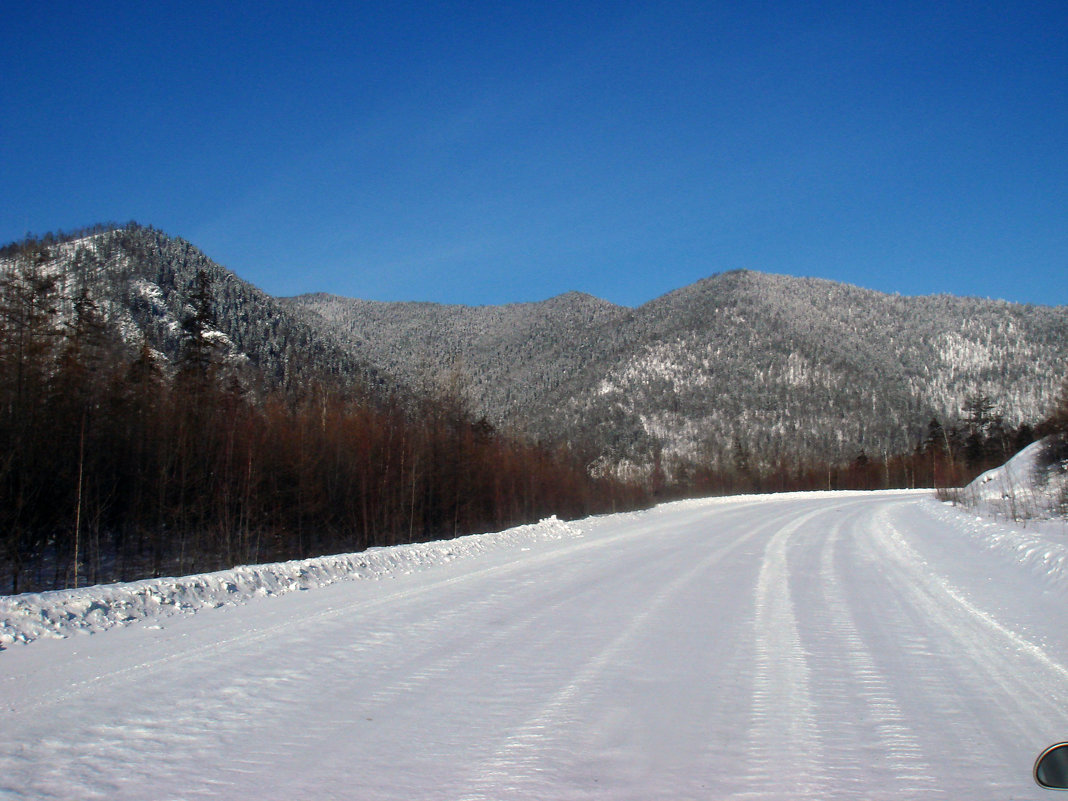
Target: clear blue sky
(511, 151)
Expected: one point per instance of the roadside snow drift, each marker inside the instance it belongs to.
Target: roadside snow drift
(92, 609)
(1021, 489)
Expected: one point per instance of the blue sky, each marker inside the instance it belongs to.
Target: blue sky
(498, 152)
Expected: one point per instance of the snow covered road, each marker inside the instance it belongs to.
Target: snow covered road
(825, 645)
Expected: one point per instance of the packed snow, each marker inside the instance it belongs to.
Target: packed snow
(817, 645)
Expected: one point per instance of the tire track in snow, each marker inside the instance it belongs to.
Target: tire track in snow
(186, 652)
(994, 647)
(514, 769)
(784, 732)
(894, 749)
(936, 587)
(258, 687)
(418, 665)
(895, 670)
(534, 614)
(970, 668)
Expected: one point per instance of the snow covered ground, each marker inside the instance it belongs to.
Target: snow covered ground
(822, 645)
(1021, 489)
(24, 618)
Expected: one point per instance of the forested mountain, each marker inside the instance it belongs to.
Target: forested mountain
(503, 359)
(145, 284)
(741, 367)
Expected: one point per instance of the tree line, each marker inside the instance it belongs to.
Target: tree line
(944, 456)
(1055, 430)
(117, 463)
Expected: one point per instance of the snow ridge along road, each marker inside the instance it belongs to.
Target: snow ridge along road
(822, 645)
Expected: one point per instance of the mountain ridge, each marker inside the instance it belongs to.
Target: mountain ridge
(738, 365)
(735, 356)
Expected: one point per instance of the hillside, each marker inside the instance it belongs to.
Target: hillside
(143, 284)
(1032, 486)
(741, 364)
(504, 359)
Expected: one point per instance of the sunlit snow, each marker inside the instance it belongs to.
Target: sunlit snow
(820, 645)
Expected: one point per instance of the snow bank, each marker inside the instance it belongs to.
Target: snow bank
(1021, 489)
(1041, 547)
(27, 617)
(1025, 492)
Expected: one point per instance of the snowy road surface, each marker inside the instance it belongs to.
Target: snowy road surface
(853, 646)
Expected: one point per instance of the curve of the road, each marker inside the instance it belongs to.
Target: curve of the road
(815, 646)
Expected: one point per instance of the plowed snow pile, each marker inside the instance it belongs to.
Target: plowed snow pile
(91, 609)
(1021, 489)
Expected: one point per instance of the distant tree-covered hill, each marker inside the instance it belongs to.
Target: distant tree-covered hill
(739, 366)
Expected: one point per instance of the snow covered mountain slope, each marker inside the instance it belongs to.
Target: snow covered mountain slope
(1024, 488)
(824, 646)
(783, 367)
(143, 283)
(740, 366)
